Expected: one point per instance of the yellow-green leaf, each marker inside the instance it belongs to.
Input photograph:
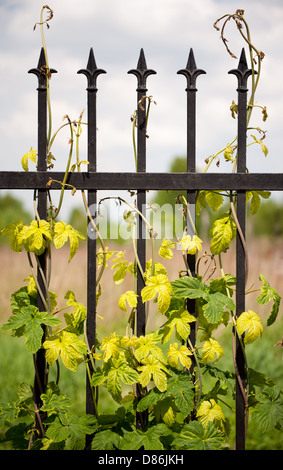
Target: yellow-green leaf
(110, 346)
(130, 298)
(165, 249)
(66, 345)
(223, 231)
(152, 368)
(158, 285)
(31, 155)
(179, 320)
(34, 236)
(263, 147)
(250, 324)
(210, 411)
(210, 349)
(175, 355)
(64, 232)
(191, 245)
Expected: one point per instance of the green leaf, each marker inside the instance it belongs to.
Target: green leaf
(214, 309)
(180, 386)
(148, 440)
(29, 319)
(106, 440)
(194, 436)
(79, 426)
(189, 287)
(268, 413)
(53, 401)
(223, 231)
(269, 294)
(120, 372)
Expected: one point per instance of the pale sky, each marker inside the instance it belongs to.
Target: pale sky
(117, 30)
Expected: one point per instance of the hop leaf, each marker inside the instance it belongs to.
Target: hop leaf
(152, 368)
(165, 249)
(268, 294)
(129, 297)
(209, 411)
(263, 147)
(28, 320)
(34, 236)
(67, 345)
(148, 345)
(63, 233)
(31, 155)
(194, 436)
(158, 285)
(14, 229)
(250, 323)
(175, 355)
(191, 245)
(223, 231)
(179, 320)
(110, 346)
(210, 349)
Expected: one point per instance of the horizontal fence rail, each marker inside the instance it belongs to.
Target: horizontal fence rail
(142, 181)
(147, 181)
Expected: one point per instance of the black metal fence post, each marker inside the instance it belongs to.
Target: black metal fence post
(141, 72)
(91, 72)
(242, 73)
(191, 72)
(41, 373)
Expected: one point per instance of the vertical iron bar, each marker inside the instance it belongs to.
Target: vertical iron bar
(141, 72)
(191, 73)
(91, 73)
(242, 74)
(41, 374)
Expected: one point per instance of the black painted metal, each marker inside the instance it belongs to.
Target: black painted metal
(91, 72)
(242, 74)
(154, 181)
(39, 359)
(92, 181)
(191, 72)
(141, 72)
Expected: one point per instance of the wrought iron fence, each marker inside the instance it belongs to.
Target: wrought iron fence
(142, 181)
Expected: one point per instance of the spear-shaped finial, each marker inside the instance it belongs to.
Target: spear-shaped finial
(191, 72)
(142, 72)
(242, 72)
(41, 71)
(91, 71)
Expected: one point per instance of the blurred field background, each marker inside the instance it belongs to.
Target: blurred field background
(265, 247)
